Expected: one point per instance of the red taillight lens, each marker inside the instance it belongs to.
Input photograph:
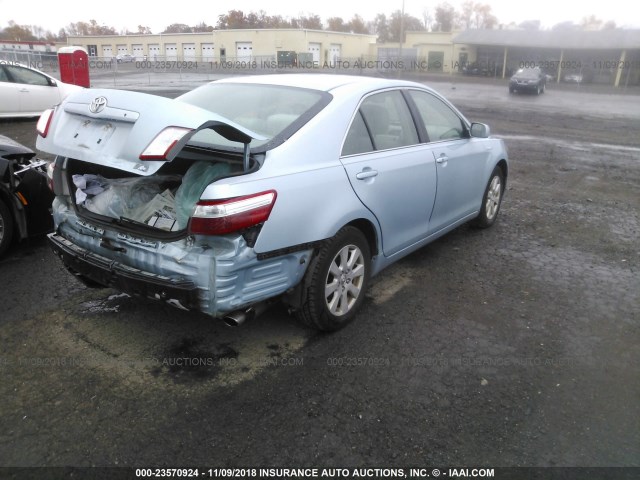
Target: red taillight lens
(44, 122)
(218, 217)
(160, 146)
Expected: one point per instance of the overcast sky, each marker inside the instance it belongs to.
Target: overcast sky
(122, 14)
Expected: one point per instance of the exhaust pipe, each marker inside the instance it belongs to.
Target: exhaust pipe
(237, 318)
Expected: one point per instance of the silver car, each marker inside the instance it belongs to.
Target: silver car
(247, 190)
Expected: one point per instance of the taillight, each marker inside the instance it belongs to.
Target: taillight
(218, 217)
(160, 146)
(44, 122)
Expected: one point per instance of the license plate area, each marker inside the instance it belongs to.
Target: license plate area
(92, 134)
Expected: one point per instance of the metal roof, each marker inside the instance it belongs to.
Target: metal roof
(569, 39)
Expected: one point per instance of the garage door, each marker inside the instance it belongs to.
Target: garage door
(154, 51)
(334, 53)
(207, 52)
(171, 51)
(138, 51)
(244, 50)
(189, 51)
(314, 49)
(107, 52)
(122, 49)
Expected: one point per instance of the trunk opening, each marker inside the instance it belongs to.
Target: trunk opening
(158, 205)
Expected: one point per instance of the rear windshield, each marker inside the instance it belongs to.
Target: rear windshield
(272, 111)
(528, 73)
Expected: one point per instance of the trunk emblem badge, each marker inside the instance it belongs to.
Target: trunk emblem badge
(98, 105)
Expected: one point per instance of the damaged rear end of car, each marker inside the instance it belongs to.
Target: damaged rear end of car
(129, 208)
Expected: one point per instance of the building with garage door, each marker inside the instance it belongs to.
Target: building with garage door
(230, 45)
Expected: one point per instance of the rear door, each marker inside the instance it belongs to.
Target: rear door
(392, 174)
(9, 94)
(35, 92)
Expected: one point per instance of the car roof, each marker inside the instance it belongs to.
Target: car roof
(319, 81)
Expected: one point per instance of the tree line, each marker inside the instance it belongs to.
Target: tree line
(442, 18)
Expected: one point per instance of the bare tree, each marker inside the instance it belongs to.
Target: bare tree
(311, 22)
(428, 19)
(337, 24)
(358, 25)
(591, 23)
(17, 33)
(445, 17)
(476, 15)
(381, 27)
(411, 23)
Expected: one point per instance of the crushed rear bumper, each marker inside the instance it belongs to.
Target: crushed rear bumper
(110, 273)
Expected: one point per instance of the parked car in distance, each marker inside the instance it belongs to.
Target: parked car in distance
(25, 197)
(125, 58)
(27, 92)
(528, 80)
(580, 77)
(247, 190)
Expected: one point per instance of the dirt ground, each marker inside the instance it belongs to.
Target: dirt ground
(513, 346)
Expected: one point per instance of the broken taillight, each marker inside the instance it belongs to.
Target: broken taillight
(218, 217)
(44, 122)
(162, 144)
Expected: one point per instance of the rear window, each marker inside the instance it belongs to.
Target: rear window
(528, 73)
(272, 111)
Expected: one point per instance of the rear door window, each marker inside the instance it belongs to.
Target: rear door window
(386, 118)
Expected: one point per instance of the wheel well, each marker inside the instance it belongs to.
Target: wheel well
(369, 231)
(502, 164)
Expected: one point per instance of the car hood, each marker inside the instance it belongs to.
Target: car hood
(124, 125)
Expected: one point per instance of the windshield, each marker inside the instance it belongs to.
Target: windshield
(274, 112)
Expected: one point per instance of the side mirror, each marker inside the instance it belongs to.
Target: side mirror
(52, 82)
(480, 130)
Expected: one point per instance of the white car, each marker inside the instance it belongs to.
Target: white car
(26, 92)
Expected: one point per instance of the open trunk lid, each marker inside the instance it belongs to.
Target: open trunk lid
(114, 127)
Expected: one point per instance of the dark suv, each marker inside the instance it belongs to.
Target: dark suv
(528, 79)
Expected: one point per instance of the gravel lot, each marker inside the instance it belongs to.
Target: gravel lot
(513, 346)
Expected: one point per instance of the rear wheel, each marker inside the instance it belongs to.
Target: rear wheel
(491, 200)
(336, 281)
(6, 227)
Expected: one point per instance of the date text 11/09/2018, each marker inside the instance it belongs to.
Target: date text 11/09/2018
(315, 472)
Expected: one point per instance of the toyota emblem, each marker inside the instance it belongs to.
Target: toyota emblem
(98, 105)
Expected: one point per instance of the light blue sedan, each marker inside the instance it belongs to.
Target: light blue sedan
(246, 190)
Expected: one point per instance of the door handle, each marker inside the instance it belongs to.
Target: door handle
(24, 90)
(366, 173)
(442, 159)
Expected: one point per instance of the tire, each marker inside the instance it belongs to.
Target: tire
(336, 281)
(491, 200)
(544, 88)
(6, 227)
